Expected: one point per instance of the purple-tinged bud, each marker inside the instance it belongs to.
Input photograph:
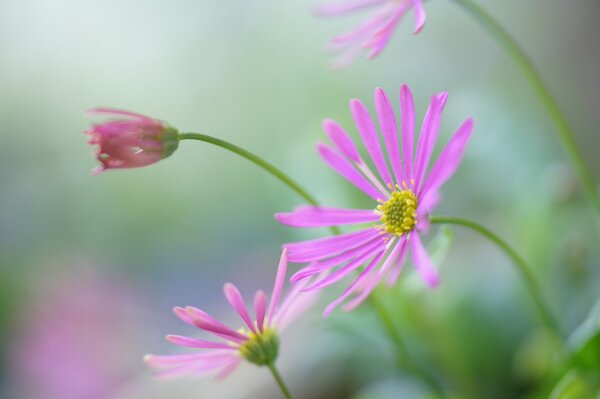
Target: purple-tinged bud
(130, 140)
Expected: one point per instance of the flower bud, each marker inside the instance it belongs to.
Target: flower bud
(130, 140)
(261, 348)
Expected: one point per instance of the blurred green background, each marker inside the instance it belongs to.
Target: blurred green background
(91, 266)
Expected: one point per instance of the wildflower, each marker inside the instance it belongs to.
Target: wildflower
(131, 140)
(403, 198)
(374, 33)
(257, 342)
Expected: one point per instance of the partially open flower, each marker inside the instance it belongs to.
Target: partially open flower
(130, 140)
(402, 198)
(257, 342)
(375, 32)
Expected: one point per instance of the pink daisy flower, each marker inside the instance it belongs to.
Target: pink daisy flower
(130, 140)
(257, 342)
(375, 32)
(403, 198)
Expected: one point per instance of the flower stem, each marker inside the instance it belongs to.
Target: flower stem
(284, 389)
(532, 287)
(559, 120)
(265, 165)
(404, 355)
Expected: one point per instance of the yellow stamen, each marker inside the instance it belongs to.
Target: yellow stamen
(399, 212)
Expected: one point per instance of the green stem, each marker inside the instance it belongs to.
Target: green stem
(560, 122)
(270, 168)
(284, 389)
(530, 282)
(404, 355)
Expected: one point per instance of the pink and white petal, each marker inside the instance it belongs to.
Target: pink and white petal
(423, 262)
(382, 36)
(368, 132)
(362, 31)
(321, 265)
(326, 242)
(394, 273)
(197, 343)
(278, 285)
(345, 169)
(346, 269)
(449, 159)
(313, 216)
(228, 369)
(320, 251)
(428, 137)
(183, 315)
(344, 7)
(354, 285)
(407, 116)
(260, 309)
(161, 361)
(371, 282)
(387, 122)
(419, 16)
(235, 299)
(341, 139)
(206, 322)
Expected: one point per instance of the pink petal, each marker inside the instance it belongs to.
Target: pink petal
(367, 130)
(183, 315)
(420, 16)
(260, 305)
(328, 242)
(228, 369)
(423, 262)
(206, 322)
(355, 284)
(449, 158)
(363, 31)
(381, 38)
(346, 170)
(407, 115)
(334, 261)
(324, 251)
(428, 136)
(279, 281)
(312, 216)
(387, 122)
(235, 299)
(372, 282)
(341, 139)
(197, 343)
(344, 270)
(392, 277)
(344, 7)
(176, 360)
(296, 303)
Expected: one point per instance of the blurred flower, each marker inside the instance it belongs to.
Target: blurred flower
(404, 200)
(131, 141)
(258, 342)
(76, 338)
(374, 33)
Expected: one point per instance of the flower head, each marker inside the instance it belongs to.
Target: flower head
(131, 140)
(374, 33)
(257, 342)
(402, 198)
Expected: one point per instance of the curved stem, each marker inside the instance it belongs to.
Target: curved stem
(270, 168)
(404, 355)
(530, 282)
(559, 120)
(284, 389)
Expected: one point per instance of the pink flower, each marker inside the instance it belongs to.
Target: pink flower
(374, 33)
(404, 198)
(131, 141)
(257, 342)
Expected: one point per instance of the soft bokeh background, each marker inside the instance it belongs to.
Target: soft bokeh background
(91, 266)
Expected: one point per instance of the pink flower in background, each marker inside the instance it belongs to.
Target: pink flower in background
(131, 140)
(257, 342)
(403, 198)
(375, 32)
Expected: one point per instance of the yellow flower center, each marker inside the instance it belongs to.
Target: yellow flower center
(261, 348)
(399, 212)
